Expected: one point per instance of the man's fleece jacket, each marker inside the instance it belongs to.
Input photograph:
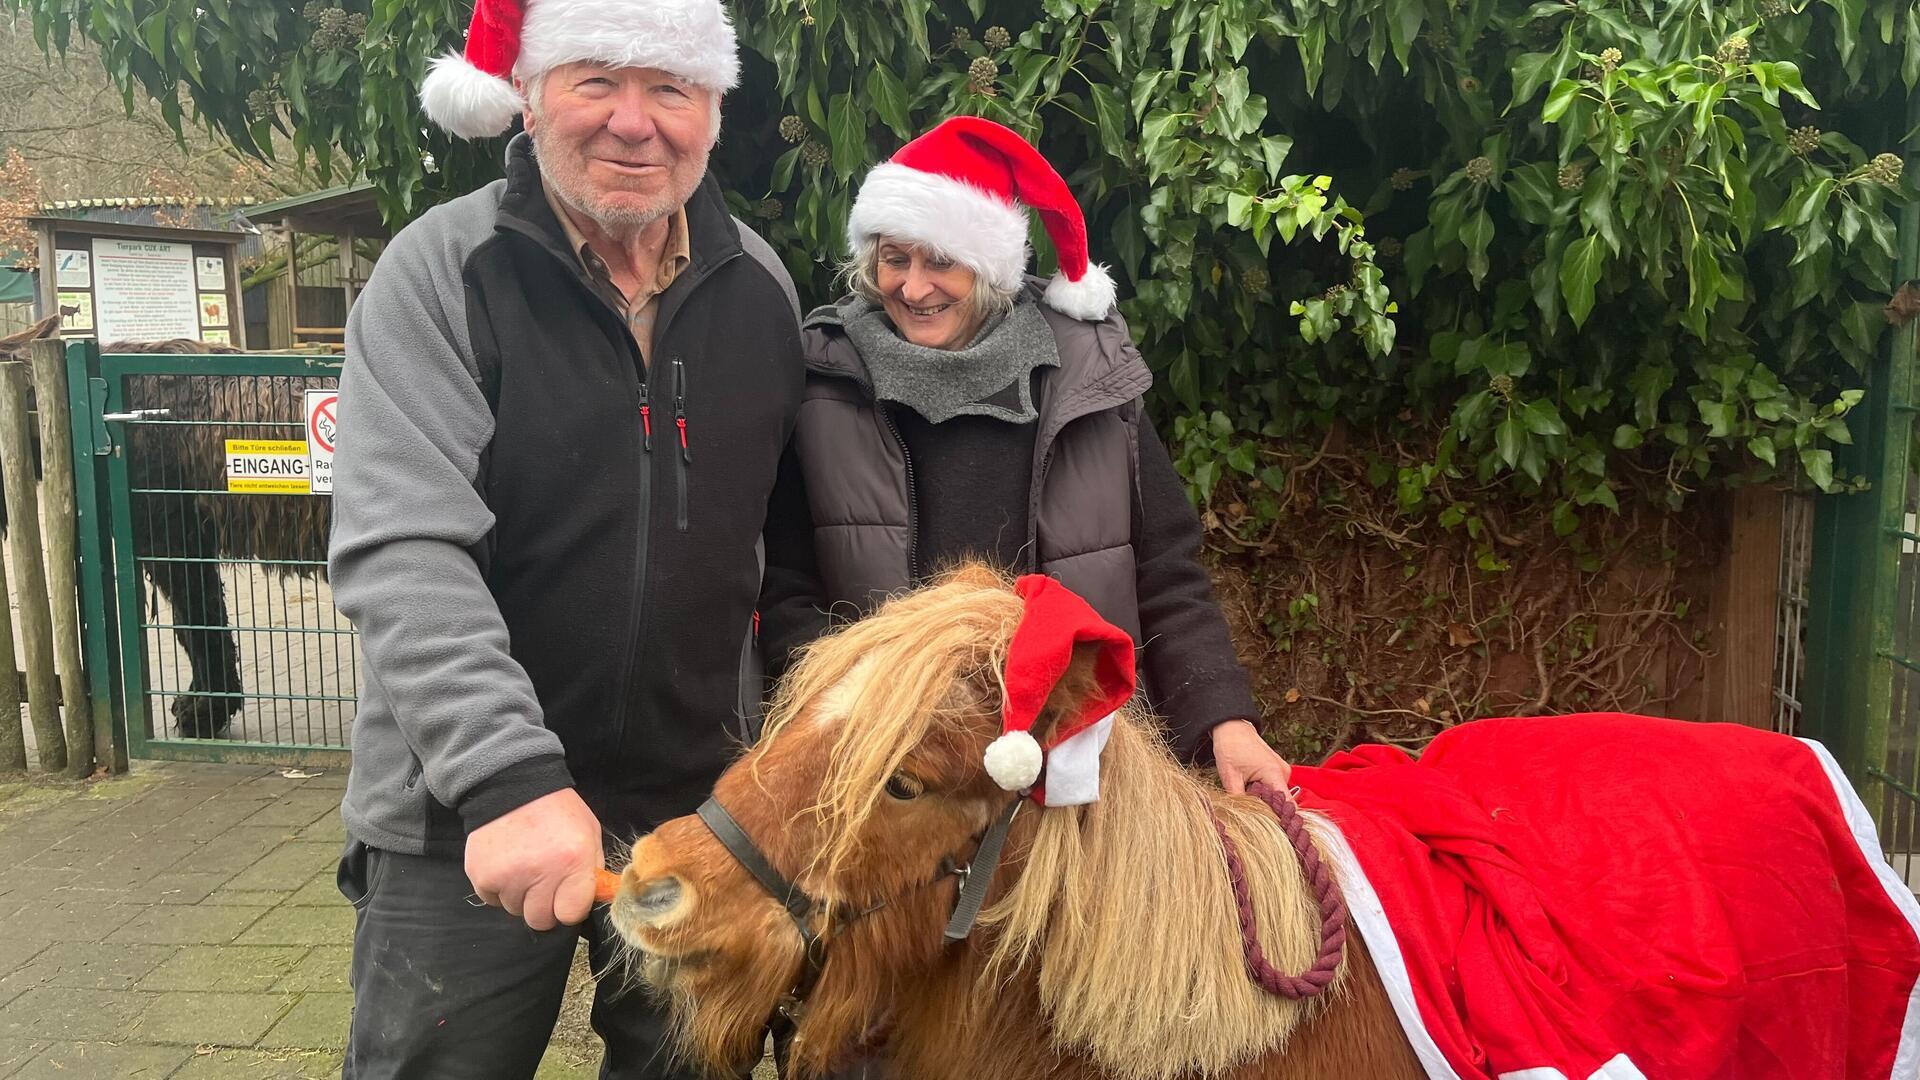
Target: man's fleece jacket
(551, 551)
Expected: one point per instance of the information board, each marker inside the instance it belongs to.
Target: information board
(144, 290)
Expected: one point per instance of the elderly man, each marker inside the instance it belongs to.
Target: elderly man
(567, 400)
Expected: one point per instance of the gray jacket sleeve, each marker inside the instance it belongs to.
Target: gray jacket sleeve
(406, 518)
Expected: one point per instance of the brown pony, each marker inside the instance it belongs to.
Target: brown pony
(1109, 947)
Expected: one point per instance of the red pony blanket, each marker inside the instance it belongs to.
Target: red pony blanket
(1611, 897)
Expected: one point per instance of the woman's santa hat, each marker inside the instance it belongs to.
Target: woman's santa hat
(963, 189)
(473, 96)
(1054, 621)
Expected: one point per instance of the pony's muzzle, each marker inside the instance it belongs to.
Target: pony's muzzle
(653, 903)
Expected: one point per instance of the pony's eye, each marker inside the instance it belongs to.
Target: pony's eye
(903, 787)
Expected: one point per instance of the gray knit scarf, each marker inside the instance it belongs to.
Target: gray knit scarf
(992, 376)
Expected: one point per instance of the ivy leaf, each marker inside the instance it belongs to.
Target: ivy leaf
(1532, 70)
(1445, 215)
(1627, 437)
(783, 170)
(847, 128)
(1580, 275)
(1239, 209)
(1508, 438)
(1418, 257)
(1819, 467)
(1531, 193)
(1846, 32)
(1762, 447)
(1910, 61)
(1559, 100)
(1274, 150)
(1471, 412)
(1406, 16)
(1566, 521)
(1541, 418)
(1719, 418)
(1158, 142)
(1599, 495)
(889, 99)
(1596, 208)
(1476, 234)
(1110, 117)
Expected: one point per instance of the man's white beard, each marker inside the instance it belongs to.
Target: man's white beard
(620, 223)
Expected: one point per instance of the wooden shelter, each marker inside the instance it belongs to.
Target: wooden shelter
(321, 248)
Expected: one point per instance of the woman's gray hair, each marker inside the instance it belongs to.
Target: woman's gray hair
(860, 273)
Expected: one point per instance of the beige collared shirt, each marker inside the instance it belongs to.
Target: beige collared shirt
(643, 307)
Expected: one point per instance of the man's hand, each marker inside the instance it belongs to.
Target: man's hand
(538, 861)
(1242, 757)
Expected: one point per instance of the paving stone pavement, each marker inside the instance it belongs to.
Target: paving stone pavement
(177, 922)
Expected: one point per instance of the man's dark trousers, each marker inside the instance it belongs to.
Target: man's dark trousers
(444, 989)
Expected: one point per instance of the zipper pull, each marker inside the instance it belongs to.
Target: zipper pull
(680, 409)
(646, 420)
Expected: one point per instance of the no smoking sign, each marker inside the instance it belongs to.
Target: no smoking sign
(323, 420)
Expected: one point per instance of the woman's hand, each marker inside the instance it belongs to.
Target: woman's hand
(1242, 757)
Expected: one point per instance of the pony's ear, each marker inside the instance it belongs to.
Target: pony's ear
(1074, 694)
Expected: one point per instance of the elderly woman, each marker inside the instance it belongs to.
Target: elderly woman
(958, 408)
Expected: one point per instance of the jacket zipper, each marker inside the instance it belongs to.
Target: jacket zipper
(686, 453)
(636, 623)
(646, 420)
(1033, 506)
(913, 497)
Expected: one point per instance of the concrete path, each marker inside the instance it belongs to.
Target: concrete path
(180, 922)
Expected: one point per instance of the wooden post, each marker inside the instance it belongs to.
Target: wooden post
(48, 362)
(23, 541)
(13, 738)
(344, 241)
(1746, 612)
(293, 287)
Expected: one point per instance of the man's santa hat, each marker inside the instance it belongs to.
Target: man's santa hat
(1055, 620)
(472, 95)
(963, 189)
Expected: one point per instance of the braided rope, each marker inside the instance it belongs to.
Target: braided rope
(1333, 909)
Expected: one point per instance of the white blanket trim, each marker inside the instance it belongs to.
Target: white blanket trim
(1906, 1061)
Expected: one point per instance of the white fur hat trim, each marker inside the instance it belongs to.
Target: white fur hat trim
(690, 38)
(986, 234)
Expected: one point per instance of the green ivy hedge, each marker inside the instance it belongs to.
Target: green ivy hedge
(1581, 247)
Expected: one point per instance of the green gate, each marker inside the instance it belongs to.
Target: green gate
(204, 556)
(1863, 630)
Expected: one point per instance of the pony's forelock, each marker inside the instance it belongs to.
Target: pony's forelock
(891, 683)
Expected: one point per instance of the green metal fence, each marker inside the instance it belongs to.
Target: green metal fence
(209, 603)
(1863, 631)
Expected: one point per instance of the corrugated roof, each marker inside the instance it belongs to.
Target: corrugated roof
(136, 202)
(279, 207)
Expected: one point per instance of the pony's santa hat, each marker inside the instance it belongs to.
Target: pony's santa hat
(1054, 621)
(473, 96)
(963, 189)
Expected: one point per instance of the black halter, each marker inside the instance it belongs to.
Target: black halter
(801, 907)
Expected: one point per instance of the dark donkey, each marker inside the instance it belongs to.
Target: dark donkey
(206, 526)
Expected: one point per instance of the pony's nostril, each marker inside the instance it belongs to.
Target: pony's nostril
(658, 897)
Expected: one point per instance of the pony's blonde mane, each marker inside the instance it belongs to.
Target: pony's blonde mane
(1125, 908)
(1123, 911)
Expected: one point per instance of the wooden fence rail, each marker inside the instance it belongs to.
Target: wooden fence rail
(45, 593)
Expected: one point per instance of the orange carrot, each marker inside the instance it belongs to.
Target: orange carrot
(606, 883)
